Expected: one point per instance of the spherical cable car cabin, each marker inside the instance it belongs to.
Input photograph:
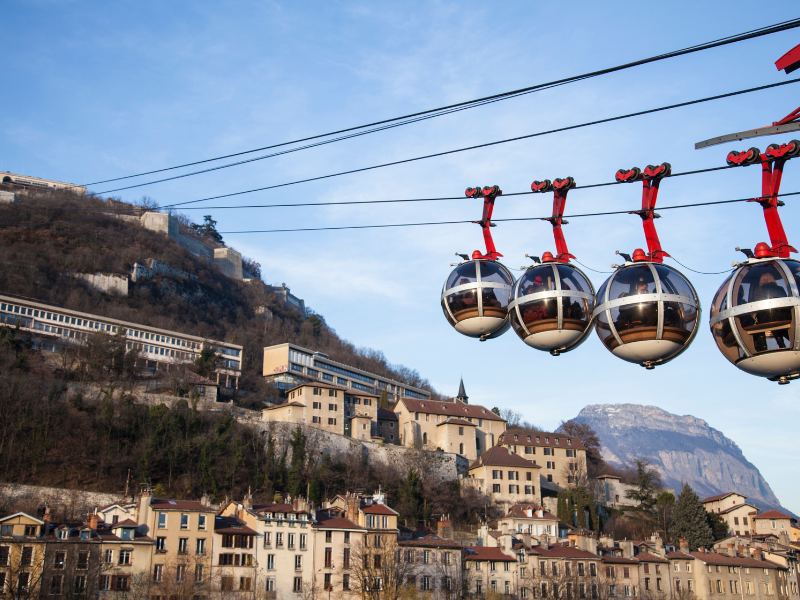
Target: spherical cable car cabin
(755, 315)
(647, 312)
(551, 304)
(475, 295)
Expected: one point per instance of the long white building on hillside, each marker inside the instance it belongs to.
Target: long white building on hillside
(291, 365)
(52, 327)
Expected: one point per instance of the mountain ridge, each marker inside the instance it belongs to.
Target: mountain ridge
(684, 448)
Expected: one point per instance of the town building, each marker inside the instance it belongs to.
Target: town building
(737, 513)
(561, 457)
(505, 477)
(233, 558)
(318, 405)
(22, 554)
(776, 523)
(38, 184)
(182, 531)
(290, 365)
(388, 426)
(450, 425)
(52, 328)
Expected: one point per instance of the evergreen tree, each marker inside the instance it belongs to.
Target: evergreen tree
(719, 528)
(561, 508)
(647, 483)
(384, 401)
(298, 444)
(689, 520)
(594, 517)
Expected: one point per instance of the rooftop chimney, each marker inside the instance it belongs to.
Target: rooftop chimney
(93, 520)
(444, 529)
(684, 545)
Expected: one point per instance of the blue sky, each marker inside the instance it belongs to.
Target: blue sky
(98, 90)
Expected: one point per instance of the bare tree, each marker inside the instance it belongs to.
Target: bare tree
(182, 578)
(379, 572)
(23, 568)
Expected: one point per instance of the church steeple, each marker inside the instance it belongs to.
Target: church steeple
(462, 394)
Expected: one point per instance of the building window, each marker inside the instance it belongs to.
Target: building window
(298, 562)
(496, 488)
(184, 521)
(125, 557)
(158, 573)
(183, 545)
(162, 520)
(298, 585)
(26, 558)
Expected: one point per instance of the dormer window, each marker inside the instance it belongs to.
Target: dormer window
(85, 535)
(63, 534)
(569, 442)
(529, 438)
(515, 438)
(557, 441)
(547, 440)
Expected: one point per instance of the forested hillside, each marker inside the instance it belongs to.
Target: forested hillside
(47, 237)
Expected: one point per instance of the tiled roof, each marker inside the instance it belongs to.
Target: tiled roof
(125, 523)
(456, 421)
(452, 408)
(773, 514)
(162, 504)
(712, 558)
(378, 509)
(649, 558)
(738, 506)
(326, 522)
(500, 456)
(679, 556)
(285, 404)
(507, 437)
(484, 553)
(386, 415)
(519, 511)
(618, 560)
(231, 525)
(720, 497)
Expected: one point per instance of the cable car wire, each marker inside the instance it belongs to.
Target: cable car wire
(484, 145)
(133, 208)
(700, 272)
(590, 268)
(448, 109)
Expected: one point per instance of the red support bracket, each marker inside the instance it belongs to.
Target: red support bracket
(489, 193)
(650, 178)
(559, 187)
(772, 162)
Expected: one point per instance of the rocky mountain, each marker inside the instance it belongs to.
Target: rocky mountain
(684, 448)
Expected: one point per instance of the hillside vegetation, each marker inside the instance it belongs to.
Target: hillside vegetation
(47, 237)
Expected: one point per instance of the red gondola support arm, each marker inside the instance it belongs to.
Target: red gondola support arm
(489, 194)
(772, 163)
(559, 187)
(651, 178)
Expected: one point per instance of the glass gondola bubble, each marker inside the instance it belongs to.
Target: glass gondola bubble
(551, 304)
(755, 315)
(647, 312)
(476, 294)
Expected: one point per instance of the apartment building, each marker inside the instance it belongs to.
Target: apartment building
(529, 519)
(561, 457)
(489, 569)
(736, 512)
(282, 545)
(319, 405)
(93, 555)
(233, 558)
(52, 328)
(715, 575)
(505, 477)
(37, 183)
(431, 564)
(290, 365)
(774, 522)
(452, 425)
(182, 531)
(22, 549)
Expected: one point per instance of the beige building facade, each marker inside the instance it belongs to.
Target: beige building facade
(561, 457)
(505, 477)
(419, 420)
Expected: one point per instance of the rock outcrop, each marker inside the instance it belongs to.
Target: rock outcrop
(684, 448)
